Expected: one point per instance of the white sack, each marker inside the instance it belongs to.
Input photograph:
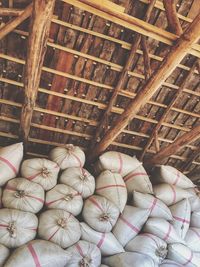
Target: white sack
(195, 219)
(60, 227)
(150, 245)
(4, 253)
(181, 212)
(162, 229)
(1, 198)
(22, 194)
(169, 263)
(129, 259)
(170, 194)
(10, 160)
(117, 162)
(195, 203)
(106, 242)
(170, 175)
(138, 180)
(64, 197)
(112, 186)
(79, 179)
(68, 156)
(84, 253)
(100, 213)
(130, 223)
(183, 255)
(157, 207)
(41, 171)
(17, 227)
(192, 239)
(38, 253)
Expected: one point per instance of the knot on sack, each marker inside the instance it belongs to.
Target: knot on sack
(104, 217)
(20, 194)
(83, 177)
(85, 262)
(45, 172)
(68, 197)
(62, 222)
(70, 148)
(12, 229)
(161, 252)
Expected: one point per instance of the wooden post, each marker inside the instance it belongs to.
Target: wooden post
(170, 62)
(103, 124)
(11, 25)
(37, 42)
(180, 142)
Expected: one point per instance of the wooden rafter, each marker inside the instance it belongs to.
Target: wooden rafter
(169, 150)
(172, 18)
(12, 24)
(178, 93)
(103, 124)
(39, 33)
(13, 12)
(170, 62)
(131, 23)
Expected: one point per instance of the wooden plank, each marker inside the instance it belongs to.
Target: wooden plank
(131, 23)
(13, 12)
(179, 143)
(12, 24)
(39, 33)
(174, 57)
(172, 18)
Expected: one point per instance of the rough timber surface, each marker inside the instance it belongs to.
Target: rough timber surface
(85, 55)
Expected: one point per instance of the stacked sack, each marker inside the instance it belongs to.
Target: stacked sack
(56, 214)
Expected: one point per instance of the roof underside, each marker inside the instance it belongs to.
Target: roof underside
(85, 55)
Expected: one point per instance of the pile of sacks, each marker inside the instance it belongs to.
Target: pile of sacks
(56, 214)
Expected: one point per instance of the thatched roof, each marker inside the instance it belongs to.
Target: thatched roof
(101, 52)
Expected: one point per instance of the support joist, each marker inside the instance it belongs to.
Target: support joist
(39, 33)
(7, 12)
(170, 62)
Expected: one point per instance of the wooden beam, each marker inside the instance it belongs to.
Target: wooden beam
(172, 18)
(13, 12)
(12, 24)
(171, 149)
(131, 23)
(103, 125)
(194, 156)
(178, 93)
(170, 62)
(37, 42)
